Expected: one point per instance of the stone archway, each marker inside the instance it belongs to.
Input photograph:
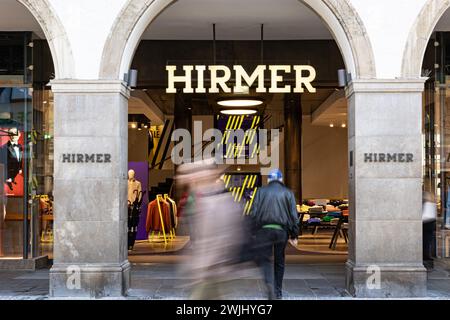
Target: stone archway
(55, 34)
(340, 17)
(419, 36)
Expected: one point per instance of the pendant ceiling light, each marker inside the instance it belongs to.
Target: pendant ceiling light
(238, 112)
(239, 102)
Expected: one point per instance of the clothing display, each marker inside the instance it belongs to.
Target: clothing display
(173, 212)
(314, 221)
(134, 188)
(316, 210)
(161, 215)
(134, 212)
(135, 198)
(322, 215)
(331, 208)
(304, 208)
(11, 155)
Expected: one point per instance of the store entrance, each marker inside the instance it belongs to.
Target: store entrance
(321, 188)
(311, 128)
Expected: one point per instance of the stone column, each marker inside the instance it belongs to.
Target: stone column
(90, 208)
(293, 139)
(385, 191)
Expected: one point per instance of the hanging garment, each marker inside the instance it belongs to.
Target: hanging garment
(174, 211)
(171, 214)
(154, 222)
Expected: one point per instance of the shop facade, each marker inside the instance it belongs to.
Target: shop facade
(385, 101)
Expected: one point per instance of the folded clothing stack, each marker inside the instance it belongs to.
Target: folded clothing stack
(314, 221)
(303, 208)
(330, 208)
(334, 214)
(316, 209)
(309, 203)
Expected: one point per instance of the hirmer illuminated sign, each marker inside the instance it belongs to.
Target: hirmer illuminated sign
(219, 75)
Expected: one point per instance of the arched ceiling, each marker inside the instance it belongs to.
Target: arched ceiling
(15, 17)
(237, 20)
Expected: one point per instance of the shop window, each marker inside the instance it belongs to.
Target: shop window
(26, 152)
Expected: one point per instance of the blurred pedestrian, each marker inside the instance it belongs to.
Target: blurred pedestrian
(217, 222)
(429, 214)
(275, 216)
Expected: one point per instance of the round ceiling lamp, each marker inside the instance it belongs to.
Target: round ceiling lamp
(239, 103)
(238, 112)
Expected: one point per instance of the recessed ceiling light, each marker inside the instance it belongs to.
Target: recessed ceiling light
(238, 112)
(331, 125)
(240, 103)
(343, 125)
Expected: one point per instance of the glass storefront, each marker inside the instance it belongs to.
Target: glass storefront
(436, 136)
(26, 150)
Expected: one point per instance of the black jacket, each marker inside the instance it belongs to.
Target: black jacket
(12, 165)
(275, 204)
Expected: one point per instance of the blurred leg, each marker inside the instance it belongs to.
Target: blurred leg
(263, 256)
(279, 248)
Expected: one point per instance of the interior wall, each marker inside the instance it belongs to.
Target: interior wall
(325, 159)
(137, 145)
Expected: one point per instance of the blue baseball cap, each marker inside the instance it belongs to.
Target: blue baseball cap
(275, 175)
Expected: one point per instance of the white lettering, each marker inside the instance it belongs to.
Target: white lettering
(275, 79)
(221, 81)
(200, 79)
(187, 79)
(299, 79)
(220, 75)
(241, 74)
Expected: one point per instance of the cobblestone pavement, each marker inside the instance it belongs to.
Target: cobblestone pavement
(162, 281)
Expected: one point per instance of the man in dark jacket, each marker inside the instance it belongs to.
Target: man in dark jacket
(276, 220)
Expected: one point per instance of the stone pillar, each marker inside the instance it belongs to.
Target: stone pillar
(385, 196)
(293, 139)
(90, 208)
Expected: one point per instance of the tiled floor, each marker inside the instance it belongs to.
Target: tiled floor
(163, 281)
(313, 271)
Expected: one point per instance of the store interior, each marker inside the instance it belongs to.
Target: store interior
(312, 126)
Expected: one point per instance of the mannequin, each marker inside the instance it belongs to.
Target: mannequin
(134, 203)
(133, 185)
